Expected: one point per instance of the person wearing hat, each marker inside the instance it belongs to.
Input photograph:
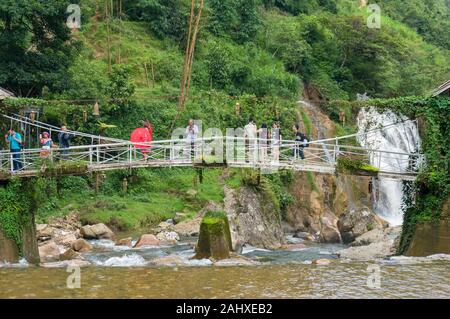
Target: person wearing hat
(47, 144)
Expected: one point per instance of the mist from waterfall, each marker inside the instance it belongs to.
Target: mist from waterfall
(402, 138)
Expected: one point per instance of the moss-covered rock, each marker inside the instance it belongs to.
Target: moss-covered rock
(215, 237)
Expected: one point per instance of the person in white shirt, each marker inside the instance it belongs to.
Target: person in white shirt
(250, 132)
(276, 142)
(191, 136)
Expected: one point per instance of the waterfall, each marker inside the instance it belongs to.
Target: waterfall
(402, 138)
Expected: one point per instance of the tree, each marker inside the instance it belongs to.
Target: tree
(222, 17)
(247, 11)
(36, 48)
(165, 17)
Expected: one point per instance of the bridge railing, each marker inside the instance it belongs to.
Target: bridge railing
(232, 151)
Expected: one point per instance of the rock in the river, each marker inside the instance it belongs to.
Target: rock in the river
(125, 242)
(69, 254)
(65, 239)
(329, 232)
(44, 232)
(49, 252)
(188, 228)
(97, 231)
(168, 237)
(356, 222)
(377, 250)
(81, 245)
(253, 218)
(164, 226)
(171, 260)
(147, 240)
(321, 262)
(373, 236)
(215, 238)
(304, 236)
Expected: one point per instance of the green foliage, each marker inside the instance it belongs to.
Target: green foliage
(354, 165)
(18, 201)
(36, 45)
(312, 181)
(431, 19)
(164, 17)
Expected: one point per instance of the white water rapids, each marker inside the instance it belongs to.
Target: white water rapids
(401, 138)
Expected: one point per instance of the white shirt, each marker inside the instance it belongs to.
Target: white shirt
(250, 130)
(191, 132)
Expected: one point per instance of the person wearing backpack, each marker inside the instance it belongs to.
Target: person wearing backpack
(301, 141)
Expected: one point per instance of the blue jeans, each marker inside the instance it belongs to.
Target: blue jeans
(17, 161)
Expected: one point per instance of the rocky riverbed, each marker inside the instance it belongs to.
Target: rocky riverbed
(64, 241)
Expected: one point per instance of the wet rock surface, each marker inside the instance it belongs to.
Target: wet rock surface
(147, 240)
(97, 231)
(355, 222)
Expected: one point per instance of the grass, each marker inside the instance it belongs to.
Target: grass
(306, 122)
(312, 182)
(157, 195)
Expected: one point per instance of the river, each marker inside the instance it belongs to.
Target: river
(126, 273)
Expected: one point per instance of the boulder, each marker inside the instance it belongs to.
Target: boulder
(44, 232)
(253, 218)
(65, 239)
(97, 231)
(380, 249)
(215, 239)
(147, 240)
(329, 232)
(179, 217)
(168, 237)
(188, 228)
(356, 222)
(49, 252)
(125, 242)
(80, 245)
(69, 254)
(373, 236)
(304, 235)
(164, 226)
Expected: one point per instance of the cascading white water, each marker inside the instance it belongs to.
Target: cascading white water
(402, 138)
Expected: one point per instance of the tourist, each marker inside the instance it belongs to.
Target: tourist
(14, 139)
(191, 137)
(263, 142)
(64, 138)
(250, 131)
(47, 144)
(301, 142)
(143, 135)
(276, 142)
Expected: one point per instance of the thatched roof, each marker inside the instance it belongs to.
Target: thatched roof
(444, 89)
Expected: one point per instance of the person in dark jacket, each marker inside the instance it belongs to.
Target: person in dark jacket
(301, 142)
(64, 138)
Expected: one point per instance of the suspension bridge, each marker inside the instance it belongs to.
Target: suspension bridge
(102, 153)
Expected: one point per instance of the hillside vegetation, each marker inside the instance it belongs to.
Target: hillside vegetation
(260, 53)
